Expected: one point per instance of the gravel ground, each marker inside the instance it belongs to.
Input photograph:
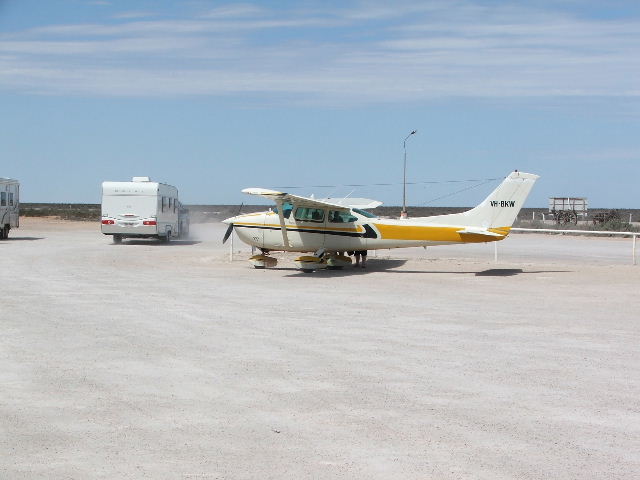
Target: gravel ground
(145, 360)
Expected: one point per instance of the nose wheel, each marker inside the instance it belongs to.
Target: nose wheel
(263, 261)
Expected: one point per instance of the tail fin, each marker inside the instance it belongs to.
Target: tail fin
(499, 209)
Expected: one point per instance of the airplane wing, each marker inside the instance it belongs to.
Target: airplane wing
(363, 203)
(281, 197)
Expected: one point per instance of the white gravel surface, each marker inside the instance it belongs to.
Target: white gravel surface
(145, 360)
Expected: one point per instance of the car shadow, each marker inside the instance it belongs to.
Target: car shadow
(18, 239)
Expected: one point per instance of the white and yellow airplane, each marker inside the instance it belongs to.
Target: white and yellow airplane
(330, 227)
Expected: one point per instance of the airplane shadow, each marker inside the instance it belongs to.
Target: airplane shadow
(156, 243)
(389, 266)
(499, 272)
(493, 272)
(371, 267)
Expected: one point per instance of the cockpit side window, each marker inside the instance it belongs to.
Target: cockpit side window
(306, 214)
(337, 216)
(364, 213)
(286, 209)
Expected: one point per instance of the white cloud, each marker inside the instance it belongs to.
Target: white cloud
(102, 47)
(236, 10)
(130, 15)
(372, 53)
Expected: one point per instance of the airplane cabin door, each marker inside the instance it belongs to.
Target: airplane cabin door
(307, 228)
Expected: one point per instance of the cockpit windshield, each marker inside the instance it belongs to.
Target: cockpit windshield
(363, 213)
(287, 208)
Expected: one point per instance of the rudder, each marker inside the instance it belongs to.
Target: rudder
(502, 206)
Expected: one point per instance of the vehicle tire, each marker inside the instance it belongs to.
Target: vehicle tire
(167, 237)
(307, 270)
(3, 233)
(117, 239)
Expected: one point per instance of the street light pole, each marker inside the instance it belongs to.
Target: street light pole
(403, 213)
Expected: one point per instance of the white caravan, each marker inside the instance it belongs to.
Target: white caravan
(142, 209)
(9, 206)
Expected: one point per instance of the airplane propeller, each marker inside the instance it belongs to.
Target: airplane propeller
(227, 234)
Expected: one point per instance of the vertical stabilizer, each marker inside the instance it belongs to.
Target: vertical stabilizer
(499, 209)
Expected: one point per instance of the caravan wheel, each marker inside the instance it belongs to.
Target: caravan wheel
(117, 239)
(3, 233)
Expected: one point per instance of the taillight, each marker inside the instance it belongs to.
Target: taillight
(108, 222)
(149, 222)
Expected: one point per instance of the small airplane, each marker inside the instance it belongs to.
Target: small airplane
(329, 227)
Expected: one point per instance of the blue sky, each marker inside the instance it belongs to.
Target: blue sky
(216, 96)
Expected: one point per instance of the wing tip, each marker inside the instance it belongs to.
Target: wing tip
(261, 191)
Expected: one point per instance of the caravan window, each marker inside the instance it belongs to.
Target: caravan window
(175, 205)
(3, 199)
(164, 203)
(11, 199)
(309, 214)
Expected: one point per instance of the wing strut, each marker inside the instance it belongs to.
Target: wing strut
(285, 238)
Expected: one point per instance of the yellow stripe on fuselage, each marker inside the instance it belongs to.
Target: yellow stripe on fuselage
(356, 229)
(432, 233)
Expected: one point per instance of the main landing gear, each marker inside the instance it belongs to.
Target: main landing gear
(320, 260)
(329, 261)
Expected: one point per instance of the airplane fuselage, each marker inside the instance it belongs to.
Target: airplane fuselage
(263, 230)
(305, 224)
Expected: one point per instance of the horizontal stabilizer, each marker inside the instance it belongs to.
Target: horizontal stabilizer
(479, 231)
